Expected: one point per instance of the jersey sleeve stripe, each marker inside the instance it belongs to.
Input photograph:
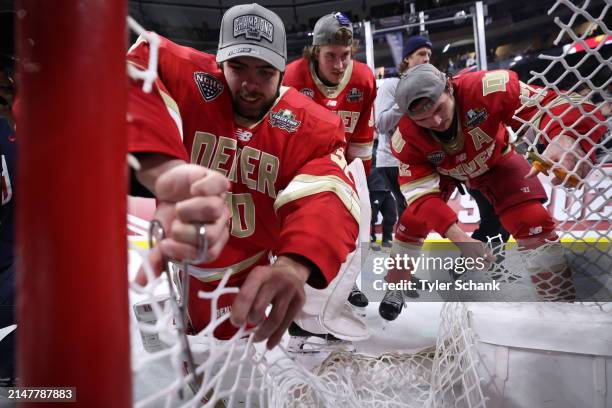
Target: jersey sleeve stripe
(418, 188)
(215, 274)
(305, 185)
(361, 150)
(173, 110)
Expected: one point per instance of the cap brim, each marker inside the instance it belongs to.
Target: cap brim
(251, 50)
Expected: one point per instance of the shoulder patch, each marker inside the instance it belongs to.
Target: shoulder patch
(284, 119)
(436, 157)
(209, 86)
(354, 95)
(475, 117)
(308, 92)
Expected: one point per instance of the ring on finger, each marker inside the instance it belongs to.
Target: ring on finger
(202, 247)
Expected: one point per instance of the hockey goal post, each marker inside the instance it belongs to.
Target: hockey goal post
(71, 215)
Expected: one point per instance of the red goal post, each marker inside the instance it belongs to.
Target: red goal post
(71, 223)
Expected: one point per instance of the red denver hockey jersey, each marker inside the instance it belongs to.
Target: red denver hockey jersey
(352, 100)
(289, 194)
(485, 102)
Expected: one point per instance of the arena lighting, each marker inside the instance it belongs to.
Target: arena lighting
(446, 47)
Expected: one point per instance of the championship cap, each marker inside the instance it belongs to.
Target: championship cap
(421, 81)
(327, 30)
(250, 30)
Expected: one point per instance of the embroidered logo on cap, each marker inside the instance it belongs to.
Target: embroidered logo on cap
(209, 86)
(342, 19)
(253, 28)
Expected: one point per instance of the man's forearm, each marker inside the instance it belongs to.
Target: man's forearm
(455, 233)
(152, 165)
(387, 120)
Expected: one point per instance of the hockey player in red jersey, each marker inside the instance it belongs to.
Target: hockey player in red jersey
(455, 130)
(283, 155)
(329, 75)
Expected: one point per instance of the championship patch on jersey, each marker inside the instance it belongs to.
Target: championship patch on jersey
(243, 135)
(253, 28)
(308, 92)
(475, 117)
(354, 95)
(284, 119)
(436, 157)
(209, 86)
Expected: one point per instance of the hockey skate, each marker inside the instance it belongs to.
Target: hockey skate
(393, 302)
(305, 342)
(358, 300)
(391, 305)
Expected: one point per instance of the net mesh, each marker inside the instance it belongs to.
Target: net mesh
(581, 76)
(238, 372)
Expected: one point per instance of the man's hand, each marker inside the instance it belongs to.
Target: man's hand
(189, 196)
(470, 247)
(192, 196)
(565, 155)
(281, 285)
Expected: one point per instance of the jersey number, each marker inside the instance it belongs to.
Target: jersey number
(494, 81)
(243, 214)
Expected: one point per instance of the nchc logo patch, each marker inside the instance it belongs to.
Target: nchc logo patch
(436, 158)
(308, 92)
(209, 86)
(475, 117)
(253, 28)
(284, 119)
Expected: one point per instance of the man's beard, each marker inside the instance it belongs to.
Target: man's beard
(253, 117)
(261, 113)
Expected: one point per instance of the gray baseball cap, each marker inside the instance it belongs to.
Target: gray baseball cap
(326, 30)
(250, 30)
(421, 81)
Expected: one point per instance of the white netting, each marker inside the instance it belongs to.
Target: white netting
(584, 66)
(238, 373)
